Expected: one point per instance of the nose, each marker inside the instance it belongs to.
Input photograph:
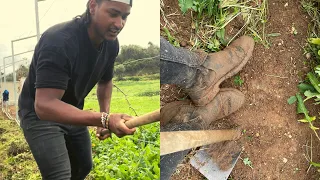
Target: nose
(119, 22)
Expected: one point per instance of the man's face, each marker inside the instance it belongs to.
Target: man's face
(108, 18)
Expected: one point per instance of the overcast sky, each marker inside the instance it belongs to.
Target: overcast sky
(17, 20)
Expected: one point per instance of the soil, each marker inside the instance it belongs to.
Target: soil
(273, 140)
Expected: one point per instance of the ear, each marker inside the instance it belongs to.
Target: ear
(92, 5)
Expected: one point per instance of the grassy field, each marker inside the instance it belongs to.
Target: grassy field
(131, 157)
(16, 160)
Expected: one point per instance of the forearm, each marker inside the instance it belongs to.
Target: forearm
(61, 112)
(104, 92)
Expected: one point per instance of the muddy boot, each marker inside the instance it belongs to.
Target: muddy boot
(201, 74)
(223, 104)
(219, 67)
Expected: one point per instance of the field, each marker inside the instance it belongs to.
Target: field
(113, 157)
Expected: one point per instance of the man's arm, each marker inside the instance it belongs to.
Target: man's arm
(104, 92)
(48, 106)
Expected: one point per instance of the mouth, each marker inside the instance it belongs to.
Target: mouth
(113, 32)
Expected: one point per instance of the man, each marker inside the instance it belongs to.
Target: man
(200, 74)
(68, 61)
(5, 99)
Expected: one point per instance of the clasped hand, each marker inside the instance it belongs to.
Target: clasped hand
(117, 126)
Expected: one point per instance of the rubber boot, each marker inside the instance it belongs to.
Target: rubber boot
(218, 67)
(226, 102)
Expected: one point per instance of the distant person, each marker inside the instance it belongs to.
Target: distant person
(5, 99)
(68, 61)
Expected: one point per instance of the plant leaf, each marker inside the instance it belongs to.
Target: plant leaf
(273, 34)
(313, 118)
(301, 107)
(220, 33)
(315, 164)
(310, 95)
(317, 70)
(247, 162)
(292, 100)
(303, 120)
(314, 81)
(304, 87)
(313, 127)
(314, 41)
(185, 5)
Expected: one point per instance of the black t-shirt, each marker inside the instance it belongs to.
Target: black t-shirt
(65, 58)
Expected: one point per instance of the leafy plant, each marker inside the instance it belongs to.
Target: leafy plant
(247, 162)
(310, 88)
(238, 81)
(185, 5)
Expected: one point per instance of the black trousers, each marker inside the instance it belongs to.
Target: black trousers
(61, 151)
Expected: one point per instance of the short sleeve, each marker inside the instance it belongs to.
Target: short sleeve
(52, 70)
(113, 50)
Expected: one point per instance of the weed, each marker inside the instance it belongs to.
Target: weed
(247, 162)
(238, 81)
(171, 38)
(212, 18)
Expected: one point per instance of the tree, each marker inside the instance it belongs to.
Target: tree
(21, 72)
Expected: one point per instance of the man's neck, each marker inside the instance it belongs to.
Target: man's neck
(95, 39)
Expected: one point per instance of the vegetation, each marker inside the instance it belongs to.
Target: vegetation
(16, 160)
(134, 60)
(211, 18)
(310, 88)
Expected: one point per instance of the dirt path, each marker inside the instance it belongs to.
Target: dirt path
(274, 141)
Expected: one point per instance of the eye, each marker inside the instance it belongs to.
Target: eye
(125, 17)
(113, 14)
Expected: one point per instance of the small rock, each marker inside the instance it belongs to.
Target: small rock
(257, 134)
(183, 44)
(285, 160)
(286, 4)
(308, 55)
(290, 136)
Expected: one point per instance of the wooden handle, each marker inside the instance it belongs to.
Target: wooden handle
(182, 140)
(144, 119)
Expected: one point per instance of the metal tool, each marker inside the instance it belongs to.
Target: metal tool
(176, 141)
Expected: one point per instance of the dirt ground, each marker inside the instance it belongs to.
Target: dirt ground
(273, 140)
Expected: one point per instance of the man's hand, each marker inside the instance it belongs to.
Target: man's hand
(117, 124)
(102, 133)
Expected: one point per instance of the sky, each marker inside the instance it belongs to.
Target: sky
(18, 20)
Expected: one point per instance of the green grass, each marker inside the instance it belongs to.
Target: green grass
(133, 91)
